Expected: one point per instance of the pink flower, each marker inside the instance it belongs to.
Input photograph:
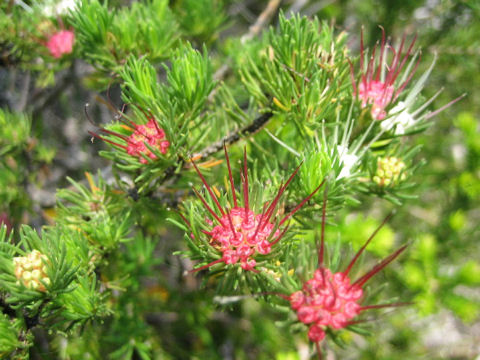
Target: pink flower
(246, 235)
(150, 134)
(330, 300)
(379, 85)
(240, 234)
(136, 142)
(378, 95)
(61, 43)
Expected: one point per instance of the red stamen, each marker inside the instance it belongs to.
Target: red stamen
(362, 55)
(231, 225)
(259, 224)
(405, 58)
(148, 115)
(245, 182)
(205, 266)
(395, 62)
(360, 282)
(400, 89)
(359, 252)
(156, 125)
(432, 114)
(230, 176)
(280, 236)
(392, 49)
(382, 50)
(206, 205)
(302, 203)
(322, 241)
(273, 205)
(184, 219)
(123, 137)
(371, 65)
(332, 301)
(379, 306)
(284, 297)
(212, 195)
(107, 140)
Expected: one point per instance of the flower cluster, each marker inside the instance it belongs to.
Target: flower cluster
(31, 270)
(61, 43)
(241, 233)
(330, 300)
(378, 86)
(390, 170)
(138, 142)
(326, 300)
(150, 134)
(377, 94)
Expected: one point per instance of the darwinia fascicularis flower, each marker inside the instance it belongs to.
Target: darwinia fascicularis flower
(61, 43)
(331, 300)
(31, 270)
(378, 86)
(390, 171)
(240, 233)
(135, 144)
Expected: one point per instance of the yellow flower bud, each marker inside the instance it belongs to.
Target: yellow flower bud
(31, 269)
(36, 274)
(389, 171)
(27, 275)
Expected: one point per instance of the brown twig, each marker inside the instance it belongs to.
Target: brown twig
(262, 20)
(256, 125)
(229, 139)
(253, 31)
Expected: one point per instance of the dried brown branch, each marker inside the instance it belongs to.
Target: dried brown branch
(262, 20)
(229, 139)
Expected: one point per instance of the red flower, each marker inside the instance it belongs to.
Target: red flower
(61, 43)
(378, 86)
(136, 143)
(241, 233)
(150, 134)
(332, 300)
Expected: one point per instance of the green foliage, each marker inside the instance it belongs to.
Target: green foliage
(14, 132)
(107, 37)
(99, 272)
(423, 276)
(14, 138)
(9, 337)
(178, 107)
(82, 304)
(21, 157)
(189, 82)
(202, 19)
(355, 231)
(96, 213)
(293, 72)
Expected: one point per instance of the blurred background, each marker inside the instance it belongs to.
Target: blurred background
(441, 271)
